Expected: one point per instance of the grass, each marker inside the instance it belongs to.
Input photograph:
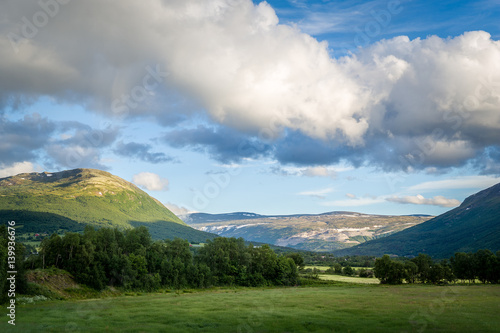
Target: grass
(344, 308)
(324, 268)
(349, 279)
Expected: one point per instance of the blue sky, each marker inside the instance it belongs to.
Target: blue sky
(278, 107)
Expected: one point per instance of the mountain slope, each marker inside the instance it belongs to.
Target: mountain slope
(474, 225)
(312, 232)
(75, 198)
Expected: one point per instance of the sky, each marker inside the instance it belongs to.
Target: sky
(279, 107)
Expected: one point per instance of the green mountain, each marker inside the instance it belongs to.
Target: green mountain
(69, 200)
(474, 225)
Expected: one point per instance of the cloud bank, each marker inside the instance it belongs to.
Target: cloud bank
(398, 104)
(420, 200)
(58, 143)
(16, 168)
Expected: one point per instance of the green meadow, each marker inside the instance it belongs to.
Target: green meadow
(350, 279)
(334, 308)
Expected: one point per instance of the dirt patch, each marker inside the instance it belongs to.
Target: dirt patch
(57, 281)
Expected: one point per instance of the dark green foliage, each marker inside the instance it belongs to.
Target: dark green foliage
(297, 258)
(436, 274)
(233, 263)
(41, 222)
(389, 271)
(347, 270)
(6, 246)
(424, 263)
(486, 266)
(482, 265)
(366, 273)
(331, 270)
(328, 259)
(448, 274)
(463, 268)
(312, 273)
(411, 272)
(131, 259)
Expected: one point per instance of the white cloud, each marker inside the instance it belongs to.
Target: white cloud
(467, 182)
(420, 200)
(234, 60)
(321, 194)
(350, 195)
(17, 168)
(319, 171)
(150, 181)
(314, 171)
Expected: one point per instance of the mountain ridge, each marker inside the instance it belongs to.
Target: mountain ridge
(472, 226)
(88, 197)
(313, 232)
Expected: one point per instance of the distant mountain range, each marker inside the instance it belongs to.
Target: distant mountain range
(474, 225)
(70, 200)
(313, 232)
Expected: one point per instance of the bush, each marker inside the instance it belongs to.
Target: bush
(312, 274)
(388, 271)
(365, 273)
(36, 289)
(347, 270)
(330, 270)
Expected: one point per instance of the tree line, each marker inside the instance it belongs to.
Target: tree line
(483, 265)
(6, 251)
(130, 259)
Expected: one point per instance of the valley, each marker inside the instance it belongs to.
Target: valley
(114, 266)
(320, 232)
(249, 166)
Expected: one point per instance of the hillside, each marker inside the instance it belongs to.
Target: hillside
(311, 232)
(474, 225)
(69, 200)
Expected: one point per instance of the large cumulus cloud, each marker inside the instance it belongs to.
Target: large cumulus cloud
(399, 104)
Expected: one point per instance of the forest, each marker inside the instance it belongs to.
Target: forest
(132, 260)
(482, 265)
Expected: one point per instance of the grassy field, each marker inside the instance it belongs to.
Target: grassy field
(324, 268)
(350, 279)
(342, 308)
